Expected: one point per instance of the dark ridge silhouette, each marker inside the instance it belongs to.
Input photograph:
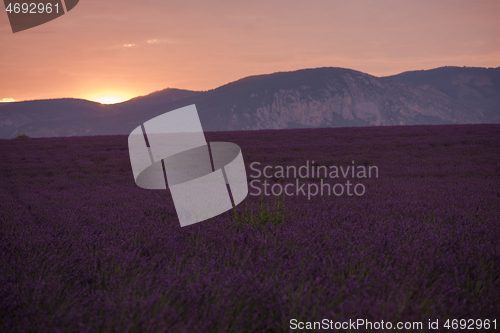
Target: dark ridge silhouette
(475, 87)
(308, 98)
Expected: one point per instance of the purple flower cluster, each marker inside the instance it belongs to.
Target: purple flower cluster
(83, 249)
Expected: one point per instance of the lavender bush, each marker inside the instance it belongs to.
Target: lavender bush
(83, 249)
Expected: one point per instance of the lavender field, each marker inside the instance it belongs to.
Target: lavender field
(83, 249)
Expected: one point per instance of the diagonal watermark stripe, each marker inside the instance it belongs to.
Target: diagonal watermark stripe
(205, 180)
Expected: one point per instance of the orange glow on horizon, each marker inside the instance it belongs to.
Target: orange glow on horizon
(108, 52)
(109, 99)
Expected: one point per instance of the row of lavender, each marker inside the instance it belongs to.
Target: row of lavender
(82, 249)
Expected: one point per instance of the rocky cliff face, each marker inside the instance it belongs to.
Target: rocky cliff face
(476, 89)
(394, 107)
(347, 98)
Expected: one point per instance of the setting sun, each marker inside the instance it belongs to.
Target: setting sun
(110, 99)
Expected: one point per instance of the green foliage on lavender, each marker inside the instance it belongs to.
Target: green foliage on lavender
(269, 211)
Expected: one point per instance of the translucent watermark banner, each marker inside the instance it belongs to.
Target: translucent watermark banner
(205, 179)
(25, 15)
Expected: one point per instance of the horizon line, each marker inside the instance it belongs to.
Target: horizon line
(5, 101)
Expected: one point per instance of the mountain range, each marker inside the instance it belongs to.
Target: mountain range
(308, 98)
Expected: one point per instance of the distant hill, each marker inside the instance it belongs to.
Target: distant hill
(57, 117)
(474, 87)
(157, 98)
(75, 117)
(309, 98)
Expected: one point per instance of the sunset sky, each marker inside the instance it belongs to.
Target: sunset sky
(114, 50)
